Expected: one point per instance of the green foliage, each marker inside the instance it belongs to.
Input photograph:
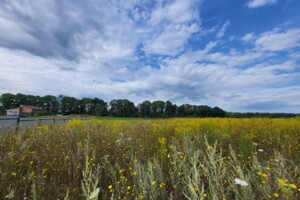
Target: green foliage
(45, 113)
(121, 107)
(262, 115)
(144, 109)
(170, 109)
(157, 109)
(7, 100)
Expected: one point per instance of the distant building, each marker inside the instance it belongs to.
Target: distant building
(23, 109)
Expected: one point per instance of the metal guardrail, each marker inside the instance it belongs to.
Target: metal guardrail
(11, 122)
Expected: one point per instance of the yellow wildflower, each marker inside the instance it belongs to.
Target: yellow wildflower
(276, 195)
(161, 185)
(281, 181)
(293, 186)
(134, 173)
(162, 140)
(153, 182)
(110, 187)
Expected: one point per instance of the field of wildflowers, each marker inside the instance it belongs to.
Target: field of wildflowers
(207, 158)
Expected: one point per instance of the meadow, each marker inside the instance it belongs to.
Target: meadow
(209, 158)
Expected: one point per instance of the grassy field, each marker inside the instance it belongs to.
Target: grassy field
(153, 159)
(119, 118)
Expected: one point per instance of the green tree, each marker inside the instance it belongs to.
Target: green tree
(218, 112)
(100, 107)
(144, 109)
(181, 112)
(8, 100)
(170, 109)
(157, 109)
(69, 105)
(50, 103)
(122, 108)
(204, 111)
(88, 106)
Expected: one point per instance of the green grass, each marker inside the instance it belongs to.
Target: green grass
(119, 118)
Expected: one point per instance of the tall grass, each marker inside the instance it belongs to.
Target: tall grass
(153, 159)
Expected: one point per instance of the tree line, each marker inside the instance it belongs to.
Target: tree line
(122, 107)
(117, 108)
(260, 115)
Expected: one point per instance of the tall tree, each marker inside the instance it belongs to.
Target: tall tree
(100, 107)
(69, 105)
(88, 105)
(170, 109)
(204, 111)
(218, 112)
(8, 100)
(144, 109)
(122, 108)
(50, 103)
(181, 112)
(157, 109)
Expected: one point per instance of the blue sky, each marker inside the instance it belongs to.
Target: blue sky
(238, 55)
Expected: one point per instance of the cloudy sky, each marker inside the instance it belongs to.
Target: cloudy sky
(240, 55)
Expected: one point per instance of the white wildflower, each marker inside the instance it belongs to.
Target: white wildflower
(260, 150)
(238, 181)
(94, 194)
(123, 139)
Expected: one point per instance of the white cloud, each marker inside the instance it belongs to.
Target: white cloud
(172, 40)
(295, 55)
(268, 69)
(191, 56)
(249, 37)
(171, 25)
(263, 99)
(176, 12)
(235, 58)
(260, 3)
(277, 40)
(222, 30)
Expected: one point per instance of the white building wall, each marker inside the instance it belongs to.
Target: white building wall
(12, 112)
